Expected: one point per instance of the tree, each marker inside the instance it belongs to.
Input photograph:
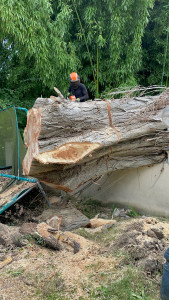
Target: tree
(155, 69)
(108, 36)
(49, 39)
(38, 38)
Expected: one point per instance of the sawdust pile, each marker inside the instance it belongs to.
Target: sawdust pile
(75, 258)
(145, 241)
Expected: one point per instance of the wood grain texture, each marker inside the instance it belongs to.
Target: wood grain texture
(71, 143)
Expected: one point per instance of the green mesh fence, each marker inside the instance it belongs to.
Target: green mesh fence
(12, 149)
(12, 152)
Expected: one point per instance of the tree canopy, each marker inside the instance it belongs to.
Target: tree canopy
(155, 67)
(108, 42)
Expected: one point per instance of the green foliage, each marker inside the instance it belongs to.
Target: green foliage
(38, 240)
(43, 41)
(90, 207)
(37, 38)
(133, 213)
(106, 42)
(35, 238)
(113, 34)
(142, 296)
(156, 47)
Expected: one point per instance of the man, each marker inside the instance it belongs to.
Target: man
(77, 89)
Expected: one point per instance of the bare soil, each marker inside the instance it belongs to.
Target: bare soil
(33, 271)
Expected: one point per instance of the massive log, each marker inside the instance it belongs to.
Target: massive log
(70, 143)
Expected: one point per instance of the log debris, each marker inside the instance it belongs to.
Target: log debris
(71, 143)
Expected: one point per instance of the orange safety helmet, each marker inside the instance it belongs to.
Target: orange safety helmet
(72, 98)
(74, 77)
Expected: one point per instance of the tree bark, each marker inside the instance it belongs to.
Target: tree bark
(70, 143)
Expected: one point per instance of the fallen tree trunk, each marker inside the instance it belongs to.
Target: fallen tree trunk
(71, 143)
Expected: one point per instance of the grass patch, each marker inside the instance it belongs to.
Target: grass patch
(35, 238)
(50, 288)
(90, 207)
(133, 285)
(15, 273)
(104, 238)
(133, 213)
(84, 233)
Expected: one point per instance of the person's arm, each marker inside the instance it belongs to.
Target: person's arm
(85, 94)
(69, 90)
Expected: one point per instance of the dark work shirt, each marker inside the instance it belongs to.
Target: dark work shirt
(79, 92)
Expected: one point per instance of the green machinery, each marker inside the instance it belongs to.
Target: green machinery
(12, 152)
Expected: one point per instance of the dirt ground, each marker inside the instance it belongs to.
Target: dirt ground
(105, 256)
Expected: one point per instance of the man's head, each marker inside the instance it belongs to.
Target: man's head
(74, 79)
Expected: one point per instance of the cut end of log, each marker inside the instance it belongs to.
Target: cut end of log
(68, 154)
(31, 134)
